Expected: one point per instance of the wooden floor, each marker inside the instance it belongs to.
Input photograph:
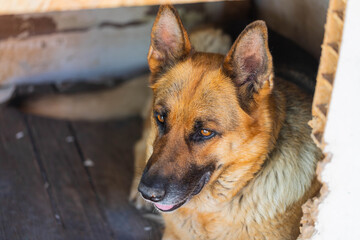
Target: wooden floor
(49, 190)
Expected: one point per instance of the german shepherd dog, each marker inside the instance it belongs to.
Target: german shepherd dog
(230, 153)
(226, 149)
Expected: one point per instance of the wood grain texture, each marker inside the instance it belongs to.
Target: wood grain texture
(69, 186)
(73, 199)
(73, 45)
(110, 146)
(25, 208)
(47, 191)
(24, 6)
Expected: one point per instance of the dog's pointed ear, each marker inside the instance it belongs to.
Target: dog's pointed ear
(249, 63)
(169, 40)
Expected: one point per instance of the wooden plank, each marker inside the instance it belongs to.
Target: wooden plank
(69, 185)
(25, 6)
(110, 147)
(74, 45)
(25, 208)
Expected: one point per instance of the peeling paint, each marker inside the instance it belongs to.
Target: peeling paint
(15, 26)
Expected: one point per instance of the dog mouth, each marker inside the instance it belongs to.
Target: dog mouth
(196, 190)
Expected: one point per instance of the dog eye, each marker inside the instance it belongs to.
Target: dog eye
(206, 133)
(160, 118)
(202, 135)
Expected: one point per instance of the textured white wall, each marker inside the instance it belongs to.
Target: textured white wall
(339, 214)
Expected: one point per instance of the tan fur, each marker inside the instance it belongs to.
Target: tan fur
(269, 206)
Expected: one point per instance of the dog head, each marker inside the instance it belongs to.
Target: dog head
(210, 113)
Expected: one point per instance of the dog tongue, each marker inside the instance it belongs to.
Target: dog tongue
(163, 207)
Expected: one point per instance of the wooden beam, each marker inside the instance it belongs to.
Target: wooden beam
(33, 6)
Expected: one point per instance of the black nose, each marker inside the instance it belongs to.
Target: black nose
(154, 193)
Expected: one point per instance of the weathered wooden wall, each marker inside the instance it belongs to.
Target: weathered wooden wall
(26, 6)
(83, 44)
(73, 45)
